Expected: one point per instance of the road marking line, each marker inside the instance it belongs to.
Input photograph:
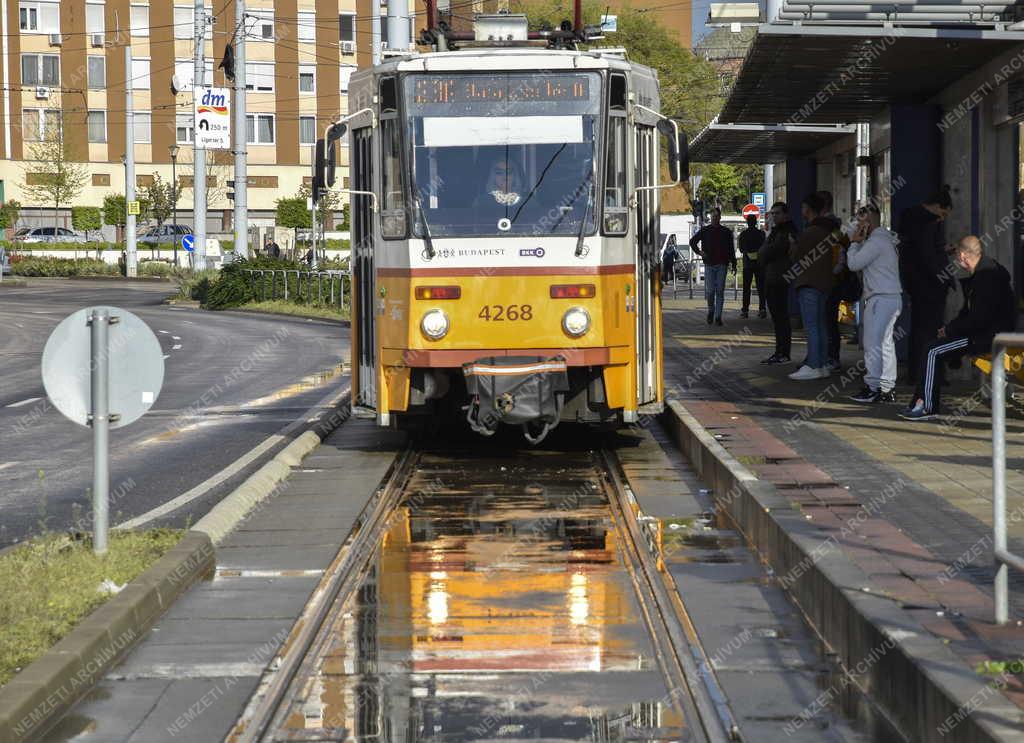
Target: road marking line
(5, 465)
(176, 337)
(176, 346)
(235, 467)
(167, 356)
(189, 322)
(24, 402)
(163, 331)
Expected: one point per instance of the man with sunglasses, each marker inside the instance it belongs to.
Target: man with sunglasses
(873, 252)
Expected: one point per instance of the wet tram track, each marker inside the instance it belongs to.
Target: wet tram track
(483, 596)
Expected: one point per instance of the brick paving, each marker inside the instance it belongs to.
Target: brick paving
(910, 503)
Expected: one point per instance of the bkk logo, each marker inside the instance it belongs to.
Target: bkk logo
(531, 252)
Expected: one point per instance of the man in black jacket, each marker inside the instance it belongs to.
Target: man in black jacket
(775, 264)
(924, 268)
(990, 308)
(751, 240)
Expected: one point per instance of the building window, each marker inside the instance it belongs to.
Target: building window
(259, 25)
(344, 74)
(259, 76)
(39, 18)
(97, 125)
(142, 125)
(184, 70)
(259, 129)
(140, 20)
(347, 23)
(94, 23)
(307, 78)
(184, 129)
(307, 26)
(97, 73)
(40, 69)
(307, 130)
(36, 123)
(184, 22)
(140, 74)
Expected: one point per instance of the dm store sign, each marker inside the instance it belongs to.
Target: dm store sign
(213, 118)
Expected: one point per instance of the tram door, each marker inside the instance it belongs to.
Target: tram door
(646, 259)
(363, 273)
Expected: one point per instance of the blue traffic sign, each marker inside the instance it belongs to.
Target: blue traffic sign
(188, 242)
(759, 199)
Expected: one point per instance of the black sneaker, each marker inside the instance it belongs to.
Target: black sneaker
(867, 395)
(889, 396)
(718, 321)
(776, 358)
(744, 314)
(762, 314)
(711, 317)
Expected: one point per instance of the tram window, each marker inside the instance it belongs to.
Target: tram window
(615, 210)
(392, 189)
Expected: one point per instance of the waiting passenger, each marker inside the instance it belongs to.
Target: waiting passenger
(990, 308)
(873, 252)
(775, 264)
(714, 243)
(751, 240)
(812, 276)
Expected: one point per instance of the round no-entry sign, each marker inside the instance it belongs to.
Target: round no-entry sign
(751, 209)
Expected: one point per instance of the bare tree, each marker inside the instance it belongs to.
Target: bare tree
(51, 176)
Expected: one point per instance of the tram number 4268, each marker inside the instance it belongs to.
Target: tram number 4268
(503, 312)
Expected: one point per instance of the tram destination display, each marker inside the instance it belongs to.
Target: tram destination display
(459, 89)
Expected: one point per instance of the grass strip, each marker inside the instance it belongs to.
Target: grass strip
(50, 584)
(299, 310)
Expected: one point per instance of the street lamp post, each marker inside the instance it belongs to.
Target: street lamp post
(124, 164)
(174, 191)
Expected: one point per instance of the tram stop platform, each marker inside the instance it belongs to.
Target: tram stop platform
(921, 493)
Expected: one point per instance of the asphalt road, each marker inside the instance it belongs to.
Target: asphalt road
(231, 381)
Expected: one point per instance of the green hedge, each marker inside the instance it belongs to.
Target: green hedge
(20, 247)
(62, 267)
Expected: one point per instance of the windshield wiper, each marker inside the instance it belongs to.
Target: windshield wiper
(586, 217)
(429, 249)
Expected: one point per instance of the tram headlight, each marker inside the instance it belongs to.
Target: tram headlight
(434, 324)
(576, 321)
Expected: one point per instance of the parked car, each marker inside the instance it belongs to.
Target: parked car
(47, 235)
(165, 234)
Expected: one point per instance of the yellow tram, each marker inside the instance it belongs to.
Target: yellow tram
(505, 208)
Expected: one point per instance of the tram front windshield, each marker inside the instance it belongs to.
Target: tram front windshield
(504, 154)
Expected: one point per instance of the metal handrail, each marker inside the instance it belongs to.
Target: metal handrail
(330, 275)
(1003, 558)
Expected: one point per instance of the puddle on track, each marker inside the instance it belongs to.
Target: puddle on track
(497, 607)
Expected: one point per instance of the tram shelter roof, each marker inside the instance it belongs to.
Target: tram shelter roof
(760, 143)
(822, 74)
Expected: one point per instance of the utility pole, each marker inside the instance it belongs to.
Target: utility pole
(199, 158)
(398, 24)
(131, 260)
(375, 32)
(241, 173)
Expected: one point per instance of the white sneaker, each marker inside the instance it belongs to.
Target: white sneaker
(806, 372)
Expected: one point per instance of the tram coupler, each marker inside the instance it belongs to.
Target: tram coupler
(522, 390)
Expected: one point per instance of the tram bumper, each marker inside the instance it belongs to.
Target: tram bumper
(514, 390)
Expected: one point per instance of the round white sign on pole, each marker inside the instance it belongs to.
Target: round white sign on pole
(136, 364)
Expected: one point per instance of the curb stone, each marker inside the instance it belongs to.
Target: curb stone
(50, 686)
(919, 684)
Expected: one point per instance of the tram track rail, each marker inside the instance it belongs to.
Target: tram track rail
(677, 648)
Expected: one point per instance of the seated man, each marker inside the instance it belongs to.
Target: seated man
(990, 308)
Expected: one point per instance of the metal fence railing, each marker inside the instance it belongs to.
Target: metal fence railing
(1004, 559)
(325, 288)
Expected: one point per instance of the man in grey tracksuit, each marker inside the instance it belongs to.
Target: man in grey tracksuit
(873, 252)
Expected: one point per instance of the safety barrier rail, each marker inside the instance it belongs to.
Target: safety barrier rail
(326, 288)
(1004, 559)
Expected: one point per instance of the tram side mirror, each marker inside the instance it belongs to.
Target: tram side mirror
(678, 150)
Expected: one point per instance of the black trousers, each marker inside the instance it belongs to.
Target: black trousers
(926, 315)
(777, 297)
(752, 271)
(930, 372)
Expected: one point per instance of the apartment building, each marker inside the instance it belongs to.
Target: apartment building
(64, 65)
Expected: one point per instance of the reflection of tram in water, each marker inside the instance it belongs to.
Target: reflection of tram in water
(449, 641)
(505, 234)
